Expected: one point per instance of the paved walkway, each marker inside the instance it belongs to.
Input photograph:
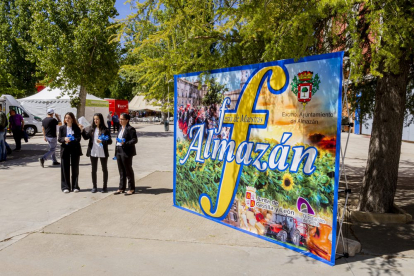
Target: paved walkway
(30, 196)
(51, 233)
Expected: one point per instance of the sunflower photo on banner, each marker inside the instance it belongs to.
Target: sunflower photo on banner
(257, 149)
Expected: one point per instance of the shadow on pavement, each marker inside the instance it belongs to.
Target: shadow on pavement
(157, 191)
(384, 239)
(25, 156)
(382, 245)
(405, 187)
(155, 134)
(375, 266)
(88, 189)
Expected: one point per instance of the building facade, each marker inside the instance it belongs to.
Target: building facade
(188, 92)
(234, 95)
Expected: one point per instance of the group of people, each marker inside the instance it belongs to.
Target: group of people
(189, 116)
(99, 135)
(113, 120)
(16, 125)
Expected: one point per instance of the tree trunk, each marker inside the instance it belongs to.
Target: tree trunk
(381, 174)
(82, 102)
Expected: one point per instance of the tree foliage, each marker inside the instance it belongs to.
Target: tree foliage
(215, 92)
(174, 37)
(71, 44)
(120, 88)
(17, 74)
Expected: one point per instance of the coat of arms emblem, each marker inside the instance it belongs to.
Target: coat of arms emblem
(304, 85)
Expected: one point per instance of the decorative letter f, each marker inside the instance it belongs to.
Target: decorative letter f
(276, 77)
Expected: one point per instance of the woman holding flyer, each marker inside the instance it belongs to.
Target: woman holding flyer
(124, 152)
(99, 137)
(70, 152)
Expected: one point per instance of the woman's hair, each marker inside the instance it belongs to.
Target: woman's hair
(102, 125)
(74, 122)
(126, 116)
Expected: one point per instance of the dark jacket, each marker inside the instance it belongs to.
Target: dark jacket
(130, 135)
(73, 146)
(89, 135)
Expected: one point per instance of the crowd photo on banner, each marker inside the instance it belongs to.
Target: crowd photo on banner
(208, 115)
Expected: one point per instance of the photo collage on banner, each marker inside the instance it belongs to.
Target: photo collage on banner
(257, 148)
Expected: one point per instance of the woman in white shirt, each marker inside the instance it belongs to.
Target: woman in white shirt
(98, 149)
(70, 152)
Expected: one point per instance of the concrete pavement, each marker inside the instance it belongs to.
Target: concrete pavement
(30, 196)
(143, 234)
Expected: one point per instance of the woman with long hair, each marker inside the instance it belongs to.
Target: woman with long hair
(124, 152)
(70, 152)
(99, 137)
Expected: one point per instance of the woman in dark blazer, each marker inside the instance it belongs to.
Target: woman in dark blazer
(98, 149)
(124, 152)
(70, 152)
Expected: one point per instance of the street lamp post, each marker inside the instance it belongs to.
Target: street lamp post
(168, 98)
(167, 122)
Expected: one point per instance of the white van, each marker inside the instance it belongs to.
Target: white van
(32, 124)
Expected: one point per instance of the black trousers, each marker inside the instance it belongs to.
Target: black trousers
(104, 165)
(125, 170)
(109, 125)
(116, 127)
(69, 160)
(17, 136)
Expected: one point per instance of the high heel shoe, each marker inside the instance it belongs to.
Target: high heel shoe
(130, 193)
(118, 192)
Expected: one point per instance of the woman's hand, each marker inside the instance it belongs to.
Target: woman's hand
(81, 127)
(98, 141)
(67, 140)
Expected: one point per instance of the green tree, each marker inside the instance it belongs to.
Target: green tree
(386, 28)
(160, 37)
(121, 88)
(72, 45)
(215, 92)
(17, 75)
(168, 38)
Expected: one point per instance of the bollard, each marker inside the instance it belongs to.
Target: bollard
(166, 125)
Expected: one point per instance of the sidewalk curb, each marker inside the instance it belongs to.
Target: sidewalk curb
(400, 216)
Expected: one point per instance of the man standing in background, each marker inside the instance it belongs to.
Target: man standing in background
(49, 125)
(17, 127)
(109, 120)
(115, 121)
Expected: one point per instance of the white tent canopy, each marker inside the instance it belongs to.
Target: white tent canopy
(39, 103)
(139, 103)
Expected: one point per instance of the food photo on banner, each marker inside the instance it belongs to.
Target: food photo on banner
(257, 148)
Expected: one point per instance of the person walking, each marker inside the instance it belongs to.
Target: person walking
(17, 127)
(49, 125)
(124, 152)
(98, 149)
(3, 128)
(109, 120)
(70, 152)
(115, 122)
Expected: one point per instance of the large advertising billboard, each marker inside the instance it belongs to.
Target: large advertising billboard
(257, 148)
